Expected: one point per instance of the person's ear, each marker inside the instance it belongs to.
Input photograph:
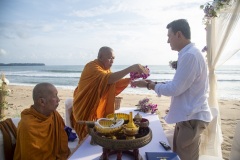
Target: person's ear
(101, 58)
(179, 34)
(42, 101)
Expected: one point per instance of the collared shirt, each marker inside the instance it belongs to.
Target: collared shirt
(188, 89)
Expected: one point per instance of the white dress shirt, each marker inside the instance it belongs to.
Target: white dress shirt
(188, 89)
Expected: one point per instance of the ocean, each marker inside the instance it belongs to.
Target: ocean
(67, 76)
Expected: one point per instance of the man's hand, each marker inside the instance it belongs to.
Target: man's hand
(141, 83)
(149, 81)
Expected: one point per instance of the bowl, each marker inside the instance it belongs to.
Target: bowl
(107, 127)
(143, 123)
(123, 116)
(119, 144)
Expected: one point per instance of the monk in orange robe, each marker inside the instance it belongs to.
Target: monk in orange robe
(40, 132)
(95, 94)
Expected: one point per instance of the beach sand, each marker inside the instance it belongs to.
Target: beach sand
(21, 98)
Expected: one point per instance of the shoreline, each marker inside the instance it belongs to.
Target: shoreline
(21, 98)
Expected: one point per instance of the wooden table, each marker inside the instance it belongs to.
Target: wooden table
(86, 151)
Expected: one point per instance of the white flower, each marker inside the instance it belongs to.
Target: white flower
(9, 91)
(5, 80)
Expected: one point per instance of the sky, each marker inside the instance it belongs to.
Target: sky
(70, 32)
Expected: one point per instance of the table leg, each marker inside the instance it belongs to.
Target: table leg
(119, 155)
(104, 154)
(136, 154)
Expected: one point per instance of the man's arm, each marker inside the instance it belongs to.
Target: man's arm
(183, 79)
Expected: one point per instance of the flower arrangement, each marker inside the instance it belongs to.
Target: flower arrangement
(145, 106)
(135, 75)
(3, 93)
(212, 10)
(173, 64)
(204, 49)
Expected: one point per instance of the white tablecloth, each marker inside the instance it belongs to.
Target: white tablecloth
(86, 151)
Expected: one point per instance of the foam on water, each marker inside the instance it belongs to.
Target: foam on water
(68, 76)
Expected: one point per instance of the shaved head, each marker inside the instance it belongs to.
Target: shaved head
(106, 57)
(45, 98)
(41, 90)
(104, 51)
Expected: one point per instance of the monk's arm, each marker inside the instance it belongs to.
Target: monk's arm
(114, 77)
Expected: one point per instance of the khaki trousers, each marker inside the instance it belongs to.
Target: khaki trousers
(187, 137)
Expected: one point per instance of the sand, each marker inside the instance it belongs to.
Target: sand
(21, 98)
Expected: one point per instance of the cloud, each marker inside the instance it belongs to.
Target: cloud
(95, 11)
(47, 28)
(72, 31)
(2, 52)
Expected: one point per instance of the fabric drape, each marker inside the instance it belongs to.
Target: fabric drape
(9, 130)
(40, 137)
(94, 98)
(220, 47)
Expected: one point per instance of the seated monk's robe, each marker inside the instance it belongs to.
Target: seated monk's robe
(94, 98)
(9, 135)
(40, 137)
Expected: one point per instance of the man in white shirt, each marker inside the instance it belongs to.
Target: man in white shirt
(188, 90)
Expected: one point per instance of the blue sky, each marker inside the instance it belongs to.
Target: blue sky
(70, 32)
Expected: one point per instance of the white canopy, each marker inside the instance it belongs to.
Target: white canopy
(223, 41)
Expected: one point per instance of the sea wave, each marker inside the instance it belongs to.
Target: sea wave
(62, 71)
(68, 76)
(44, 76)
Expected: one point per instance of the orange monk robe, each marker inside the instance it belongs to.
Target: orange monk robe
(40, 137)
(8, 130)
(94, 98)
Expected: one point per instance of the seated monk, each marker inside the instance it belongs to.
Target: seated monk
(40, 132)
(95, 94)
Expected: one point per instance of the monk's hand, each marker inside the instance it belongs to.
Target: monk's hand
(141, 83)
(140, 69)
